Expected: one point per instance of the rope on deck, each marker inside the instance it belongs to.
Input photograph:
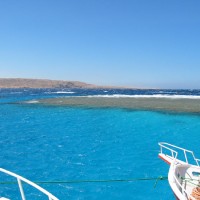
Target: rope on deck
(190, 180)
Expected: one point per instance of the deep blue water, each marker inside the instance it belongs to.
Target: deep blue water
(45, 143)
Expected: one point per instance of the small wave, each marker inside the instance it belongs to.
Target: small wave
(15, 92)
(167, 92)
(147, 96)
(32, 101)
(79, 163)
(60, 92)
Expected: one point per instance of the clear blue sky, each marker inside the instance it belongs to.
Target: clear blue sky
(141, 43)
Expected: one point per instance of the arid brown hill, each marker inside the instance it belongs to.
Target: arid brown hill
(41, 83)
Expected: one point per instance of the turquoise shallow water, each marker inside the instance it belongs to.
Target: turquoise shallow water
(48, 143)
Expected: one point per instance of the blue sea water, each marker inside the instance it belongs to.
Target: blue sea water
(59, 143)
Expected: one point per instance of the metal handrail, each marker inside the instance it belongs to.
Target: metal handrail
(20, 179)
(167, 146)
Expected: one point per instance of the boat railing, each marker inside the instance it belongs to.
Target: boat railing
(184, 192)
(174, 152)
(21, 179)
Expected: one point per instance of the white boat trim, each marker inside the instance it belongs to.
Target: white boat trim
(181, 187)
(21, 179)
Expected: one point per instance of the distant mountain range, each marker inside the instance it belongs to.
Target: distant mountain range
(42, 83)
(46, 83)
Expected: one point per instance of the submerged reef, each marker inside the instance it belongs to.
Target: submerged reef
(156, 104)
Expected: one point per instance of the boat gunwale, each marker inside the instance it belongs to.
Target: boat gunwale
(177, 182)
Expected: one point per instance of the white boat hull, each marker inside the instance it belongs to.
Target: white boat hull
(183, 177)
